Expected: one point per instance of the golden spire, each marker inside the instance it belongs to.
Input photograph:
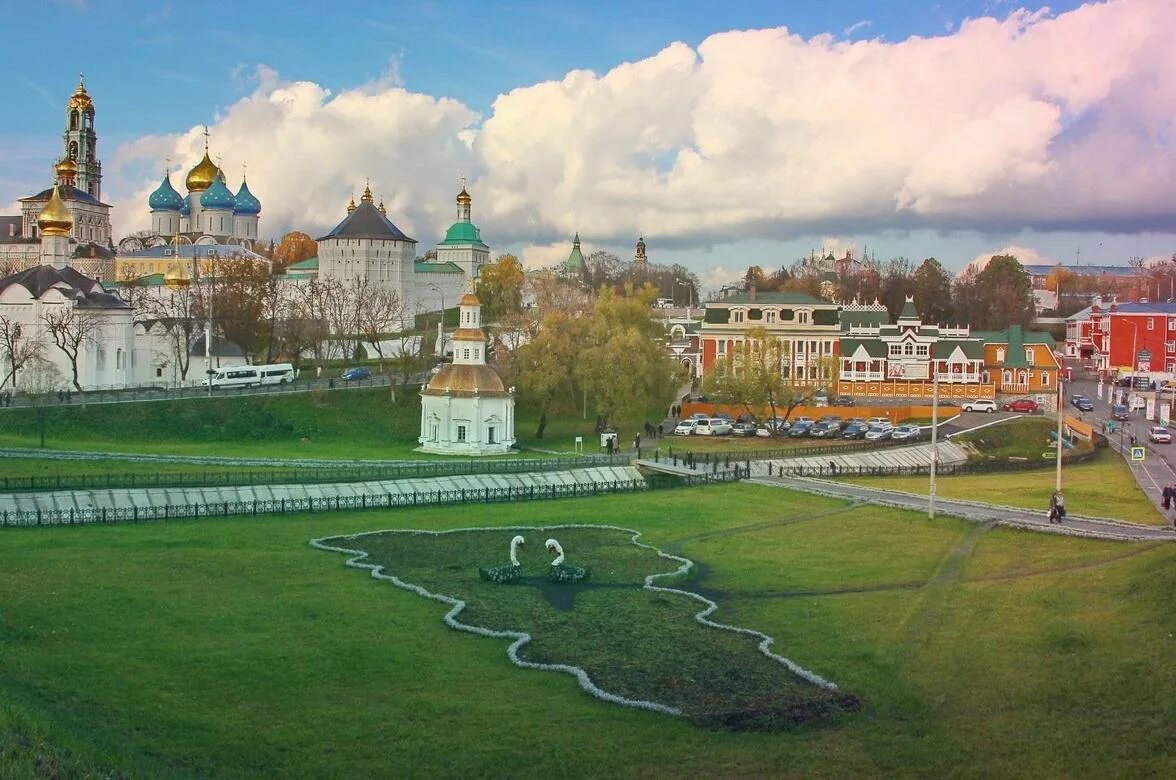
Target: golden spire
(383, 210)
(351, 205)
(55, 219)
(367, 192)
(80, 98)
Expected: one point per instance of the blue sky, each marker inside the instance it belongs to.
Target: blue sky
(163, 68)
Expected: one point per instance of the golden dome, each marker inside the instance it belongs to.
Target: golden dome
(202, 175)
(55, 219)
(367, 194)
(466, 380)
(383, 210)
(66, 171)
(469, 299)
(80, 99)
(351, 206)
(463, 197)
(175, 276)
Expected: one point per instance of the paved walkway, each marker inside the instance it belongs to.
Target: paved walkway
(976, 511)
(61, 506)
(914, 456)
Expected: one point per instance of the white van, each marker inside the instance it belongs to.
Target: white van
(276, 373)
(235, 376)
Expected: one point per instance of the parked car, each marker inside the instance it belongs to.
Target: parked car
(1022, 405)
(878, 421)
(952, 404)
(1160, 435)
(980, 405)
(824, 430)
(685, 428)
(356, 373)
(879, 431)
(855, 430)
(1120, 412)
(799, 428)
(906, 432)
(763, 431)
(699, 416)
(842, 400)
(1082, 403)
(803, 419)
(743, 429)
(718, 426)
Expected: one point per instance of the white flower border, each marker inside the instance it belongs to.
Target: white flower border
(521, 637)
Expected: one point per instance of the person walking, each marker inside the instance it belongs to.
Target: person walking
(1053, 508)
(1060, 502)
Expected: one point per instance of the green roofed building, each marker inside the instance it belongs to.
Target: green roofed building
(574, 265)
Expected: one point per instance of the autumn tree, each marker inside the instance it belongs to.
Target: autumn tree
(39, 381)
(232, 298)
(73, 328)
(500, 287)
(897, 284)
(1003, 295)
(931, 286)
(294, 247)
(753, 277)
(752, 376)
(547, 365)
(17, 348)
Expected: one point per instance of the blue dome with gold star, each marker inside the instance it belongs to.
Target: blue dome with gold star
(217, 196)
(165, 197)
(247, 203)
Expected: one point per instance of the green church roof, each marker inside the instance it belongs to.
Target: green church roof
(464, 233)
(575, 261)
(421, 267)
(309, 264)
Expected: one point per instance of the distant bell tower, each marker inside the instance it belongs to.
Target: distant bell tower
(639, 258)
(81, 142)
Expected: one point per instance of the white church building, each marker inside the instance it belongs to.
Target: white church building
(367, 244)
(465, 409)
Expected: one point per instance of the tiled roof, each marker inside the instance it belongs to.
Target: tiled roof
(68, 192)
(874, 347)
(422, 267)
(367, 222)
(973, 350)
(860, 317)
(88, 292)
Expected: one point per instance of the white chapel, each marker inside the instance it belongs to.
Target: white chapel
(465, 410)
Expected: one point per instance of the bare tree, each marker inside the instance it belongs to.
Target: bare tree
(314, 304)
(73, 329)
(41, 379)
(175, 309)
(16, 348)
(378, 312)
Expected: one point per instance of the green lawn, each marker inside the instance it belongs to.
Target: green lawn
(229, 647)
(1021, 437)
(1101, 487)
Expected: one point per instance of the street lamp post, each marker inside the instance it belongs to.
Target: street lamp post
(1058, 476)
(934, 437)
(689, 294)
(440, 322)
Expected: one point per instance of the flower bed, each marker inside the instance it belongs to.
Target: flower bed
(626, 639)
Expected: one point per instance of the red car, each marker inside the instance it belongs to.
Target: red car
(1022, 405)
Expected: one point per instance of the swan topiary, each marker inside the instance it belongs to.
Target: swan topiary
(560, 571)
(509, 572)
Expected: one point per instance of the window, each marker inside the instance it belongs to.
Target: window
(812, 346)
(770, 316)
(1171, 324)
(1151, 323)
(461, 431)
(1045, 379)
(895, 350)
(922, 350)
(738, 315)
(1029, 355)
(1170, 346)
(802, 317)
(465, 354)
(722, 348)
(1000, 354)
(908, 349)
(490, 435)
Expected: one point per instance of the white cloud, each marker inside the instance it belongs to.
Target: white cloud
(1032, 121)
(863, 24)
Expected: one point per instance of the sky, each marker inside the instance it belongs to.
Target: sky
(727, 134)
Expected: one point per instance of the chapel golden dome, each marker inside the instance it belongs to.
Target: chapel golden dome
(469, 299)
(202, 175)
(80, 99)
(66, 171)
(55, 219)
(175, 276)
(463, 198)
(459, 379)
(367, 194)
(351, 205)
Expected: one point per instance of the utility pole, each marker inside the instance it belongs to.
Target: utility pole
(934, 438)
(1058, 478)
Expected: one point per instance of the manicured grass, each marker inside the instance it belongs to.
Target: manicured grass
(1021, 437)
(49, 467)
(230, 647)
(634, 643)
(1101, 487)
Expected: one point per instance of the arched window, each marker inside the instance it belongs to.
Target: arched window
(73, 120)
(1000, 355)
(1045, 379)
(73, 150)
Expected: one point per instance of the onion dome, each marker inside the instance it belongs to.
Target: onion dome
(247, 203)
(469, 299)
(66, 171)
(80, 99)
(217, 196)
(366, 197)
(463, 198)
(202, 175)
(383, 210)
(165, 197)
(55, 219)
(463, 379)
(351, 206)
(185, 208)
(175, 276)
